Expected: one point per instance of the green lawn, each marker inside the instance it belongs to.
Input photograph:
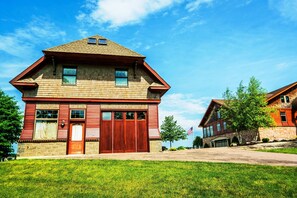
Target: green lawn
(281, 150)
(111, 178)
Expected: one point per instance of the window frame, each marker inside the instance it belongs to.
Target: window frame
(46, 119)
(70, 114)
(219, 127)
(285, 99)
(283, 116)
(63, 75)
(120, 77)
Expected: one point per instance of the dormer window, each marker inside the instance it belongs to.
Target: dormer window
(102, 42)
(92, 41)
(285, 99)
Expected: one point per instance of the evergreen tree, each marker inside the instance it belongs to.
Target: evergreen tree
(171, 131)
(10, 123)
(247, 108)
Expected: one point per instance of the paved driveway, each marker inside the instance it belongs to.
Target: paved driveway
(228, 154)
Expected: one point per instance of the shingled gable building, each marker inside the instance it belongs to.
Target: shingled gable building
(90, 96)
(284, 100)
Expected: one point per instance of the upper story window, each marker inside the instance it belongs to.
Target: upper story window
(211, 130)
(77, 114)
(283, 116)
(46, 125)
(225, 125)
(219, 127)
(69, 75)
(102, 42)
(121, 77)
(92, 41)
(285, 99)
(218, 114)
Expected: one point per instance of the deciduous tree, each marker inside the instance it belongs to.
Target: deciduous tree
(10, 123)
(247, 108)
(171, 131)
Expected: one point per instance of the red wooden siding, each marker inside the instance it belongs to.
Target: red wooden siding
(153, 116)
(92, 121)
(28, 129)
(291, 121)
(63, 116)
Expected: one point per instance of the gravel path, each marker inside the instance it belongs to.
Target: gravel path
(226, 154)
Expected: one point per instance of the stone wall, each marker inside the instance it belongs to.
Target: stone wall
(155, 146)
(92, 147)
(42, 149)
(278, 133)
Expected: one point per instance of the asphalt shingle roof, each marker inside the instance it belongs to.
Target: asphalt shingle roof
(82, 46)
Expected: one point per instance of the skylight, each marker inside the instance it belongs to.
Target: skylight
(102, 42)
(92, 41)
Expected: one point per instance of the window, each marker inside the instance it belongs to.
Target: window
(77, 114)
(283, 116)
(211, 130)
(206, 132)
(130, 115)
(46, 125)
(218, 114)
(92, 41)
(69, 75)
(118, 115)
(225, 126)
(121, 77)
(219, 127)
(102, 42)
(106, 115)
(140, 115)
(285, 99)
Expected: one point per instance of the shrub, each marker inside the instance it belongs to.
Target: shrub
(164, 148)
(264, 140)
(172, 149)
(181, 148)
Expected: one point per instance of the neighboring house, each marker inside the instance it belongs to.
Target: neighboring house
(284, 100)
(90, 96)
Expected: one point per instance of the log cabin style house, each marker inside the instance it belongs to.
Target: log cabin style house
(90, 96)
(283, 100)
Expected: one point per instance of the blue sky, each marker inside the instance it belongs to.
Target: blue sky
(200, 47)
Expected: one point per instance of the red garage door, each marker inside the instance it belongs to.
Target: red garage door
(124, 132)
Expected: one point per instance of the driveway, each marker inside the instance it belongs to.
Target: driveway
(226, 154)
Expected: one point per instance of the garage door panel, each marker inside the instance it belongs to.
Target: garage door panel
(119, 140)
(106, 137)
(142, 136)
(130, 136)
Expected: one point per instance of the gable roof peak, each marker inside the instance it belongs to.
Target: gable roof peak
(83, 46)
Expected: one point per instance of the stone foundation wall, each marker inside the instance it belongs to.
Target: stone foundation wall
(42, 149)
(155, 146)
(92, 148)
(278, 133)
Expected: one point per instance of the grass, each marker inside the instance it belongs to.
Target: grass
(281, 150)
(111, 178)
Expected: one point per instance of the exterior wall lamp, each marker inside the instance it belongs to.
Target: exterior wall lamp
(63, 123)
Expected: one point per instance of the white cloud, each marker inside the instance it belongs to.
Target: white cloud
(286, 8)
(195, 5)
(122, 12)
(21, 42)
(185, 109)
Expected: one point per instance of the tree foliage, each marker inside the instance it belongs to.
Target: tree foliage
(198, 142)
(171, 131)
(247, 108)
(10, 123)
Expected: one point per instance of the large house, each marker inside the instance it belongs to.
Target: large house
(283, 100)
(90, 96)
